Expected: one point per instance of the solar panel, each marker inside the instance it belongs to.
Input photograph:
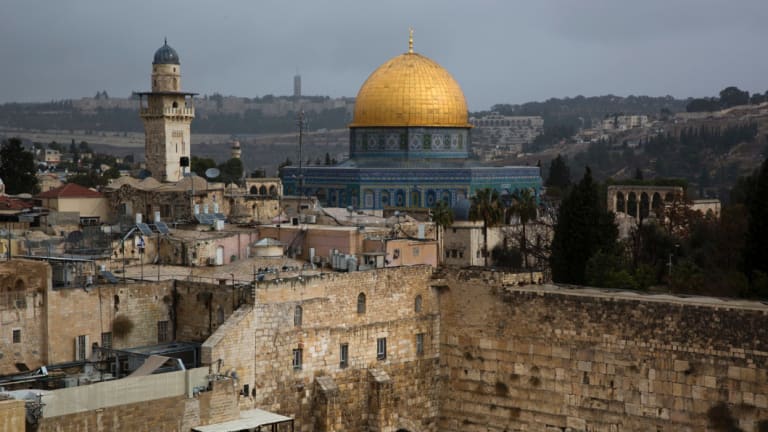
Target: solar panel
(204, 218)
(144, 228)
(219, 216)
(109, 277)
(162, 227)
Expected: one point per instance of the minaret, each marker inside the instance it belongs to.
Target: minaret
(167, 115)
(236, 149)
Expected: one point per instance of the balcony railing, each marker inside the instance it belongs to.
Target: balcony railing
(184, 112)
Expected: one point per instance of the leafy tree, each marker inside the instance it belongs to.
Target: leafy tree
(507, 256)
(200, 165)
(584, 227)
(524, 207)
(559, 173)
(90, 179)
(231, 171)
(442, 216)
(17, 168)
(732, 96)
(756, 248)
(486, 206)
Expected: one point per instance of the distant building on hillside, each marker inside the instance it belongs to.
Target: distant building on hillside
(507, 132)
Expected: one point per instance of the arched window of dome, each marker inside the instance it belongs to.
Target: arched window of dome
(361, 303)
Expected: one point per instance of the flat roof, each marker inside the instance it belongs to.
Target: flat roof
(248, 420)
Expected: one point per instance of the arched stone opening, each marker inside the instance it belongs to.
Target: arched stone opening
(263, 190)
(272, 191)
(657, 205)
(254, 190)
(621, 204)
(632, 204)
(645, 205)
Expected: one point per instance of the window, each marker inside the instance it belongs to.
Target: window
(16, 335)
(419, 343)
(81, 344)
(162, 331)
(344, 355)
(416, 251)
(297, 358)
(106, 340)
(297, 315)
(417, 304)
(381, 348)
(361, 303)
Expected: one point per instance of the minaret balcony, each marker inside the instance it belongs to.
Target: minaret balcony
(167, 112)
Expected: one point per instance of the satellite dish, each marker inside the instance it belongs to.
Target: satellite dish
(212, 173)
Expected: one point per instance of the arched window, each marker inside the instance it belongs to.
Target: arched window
(361, 303)
(272, 190)
(417, 304)
(262, 190)
(297, 316)
(254, 190)
(175, 104)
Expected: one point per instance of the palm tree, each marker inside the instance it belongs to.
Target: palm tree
(442, 216)
(486, 206)
(524, 207)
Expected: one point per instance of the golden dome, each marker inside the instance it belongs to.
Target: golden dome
(410, 90)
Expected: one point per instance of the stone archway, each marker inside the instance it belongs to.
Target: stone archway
(621, 205)
(406, 425)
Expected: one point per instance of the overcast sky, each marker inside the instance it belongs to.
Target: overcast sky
(500, 51)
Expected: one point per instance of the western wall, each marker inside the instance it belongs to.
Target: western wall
(494, 354)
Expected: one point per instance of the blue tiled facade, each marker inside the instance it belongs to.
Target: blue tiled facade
(406, 167)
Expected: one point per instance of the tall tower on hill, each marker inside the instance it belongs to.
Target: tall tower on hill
(297, 86)
(167, 114)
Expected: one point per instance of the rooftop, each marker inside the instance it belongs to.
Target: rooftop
(70, 190)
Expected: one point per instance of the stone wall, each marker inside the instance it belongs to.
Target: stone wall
(73, 312)
(151, 403)
(23, 284)
(231, 349)
(12, 415)
(368, 393)
(548, 359)
(202, 307)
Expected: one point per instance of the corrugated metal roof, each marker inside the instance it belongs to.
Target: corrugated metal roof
(248, 420)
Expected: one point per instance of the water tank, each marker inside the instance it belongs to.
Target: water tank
(157, 216)
(197, 209)
(138, 218)
(351, 263)
(218, 224)
(420, 235)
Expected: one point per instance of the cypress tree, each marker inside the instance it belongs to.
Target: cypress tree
(584, 227)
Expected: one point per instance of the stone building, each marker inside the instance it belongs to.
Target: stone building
(167, 116)
(508, 133)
